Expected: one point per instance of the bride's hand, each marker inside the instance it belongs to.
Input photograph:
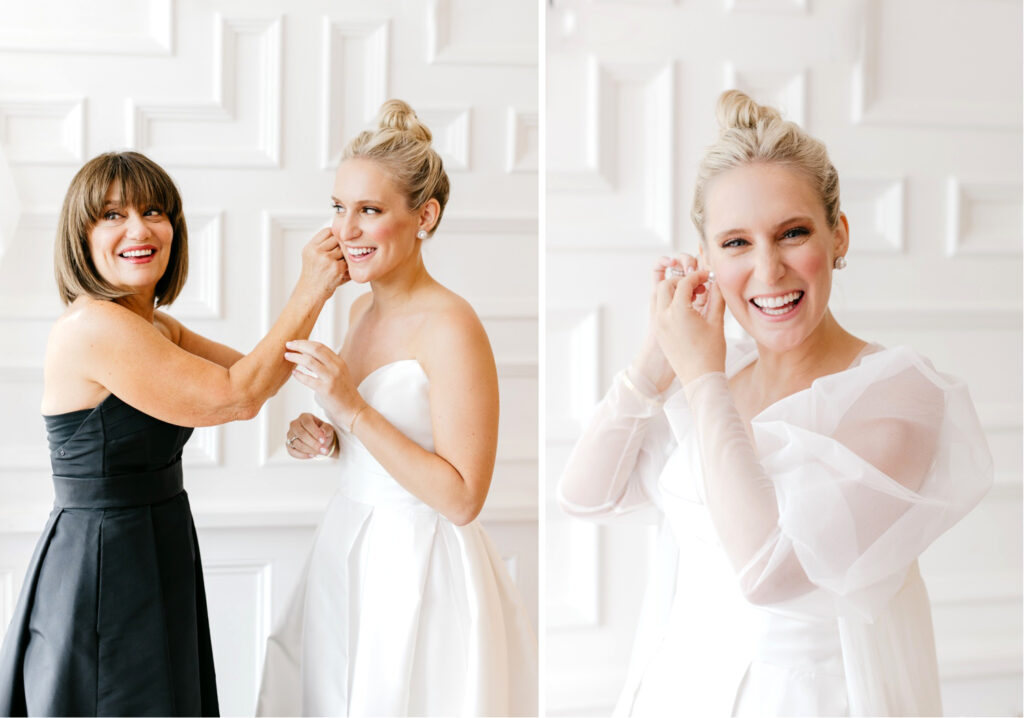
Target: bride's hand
(689, 329)
(330, 379)
(650, 363)
(308, 436)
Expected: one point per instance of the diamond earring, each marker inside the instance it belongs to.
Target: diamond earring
(840, 262)
(422, 234)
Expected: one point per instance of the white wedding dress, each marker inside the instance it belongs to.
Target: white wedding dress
(399, 611)
(855, 477)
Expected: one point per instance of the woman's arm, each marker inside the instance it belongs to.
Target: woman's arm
(133, 359)
(868, 471)
(456, 355)
(197, 344)
(603, 474)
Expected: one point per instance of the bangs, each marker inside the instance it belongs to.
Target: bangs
(144, 185)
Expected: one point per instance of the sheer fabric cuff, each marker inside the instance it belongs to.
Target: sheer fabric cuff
(602, 475)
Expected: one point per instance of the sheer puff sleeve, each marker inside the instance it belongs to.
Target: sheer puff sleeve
(623, 448)
(845, 484)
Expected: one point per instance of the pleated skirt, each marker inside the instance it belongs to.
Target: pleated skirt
(112, 616)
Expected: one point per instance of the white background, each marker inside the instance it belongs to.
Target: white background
(247, 105)
(919, 103)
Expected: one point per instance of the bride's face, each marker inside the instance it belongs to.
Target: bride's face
(771, 248)
(372, 220)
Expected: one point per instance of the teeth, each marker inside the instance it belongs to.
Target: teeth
(776, 302)
(137, 253)
(360, 251)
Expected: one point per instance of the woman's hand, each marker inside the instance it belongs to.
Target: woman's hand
(308, 437)
(650, 363)
(689, 327)
(323, 264)
(328, 376)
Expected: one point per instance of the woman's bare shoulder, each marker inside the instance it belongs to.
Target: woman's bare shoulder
(452, 333)
(445, 308)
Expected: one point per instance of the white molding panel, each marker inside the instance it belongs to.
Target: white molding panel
(7, 597)
(489, 224)
(574, 573)
(574, 338)
(522, 141)
(628, 105)
(783, 89)
(443, 48)
(201, 296)
(48, 26)
(355, 81)
(209, 124)
(43, 130)
(23, 443)
(966, 40)
(875, 209)
(28, 289)
(984, 218)
(451, 128)
(203, 449)
(239, 600)
(767, 6)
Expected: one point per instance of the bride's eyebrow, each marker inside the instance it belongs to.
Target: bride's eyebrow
(726, 233)
(795, 220)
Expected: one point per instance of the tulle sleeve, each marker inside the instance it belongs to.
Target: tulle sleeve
(623, 448)
(844, 484)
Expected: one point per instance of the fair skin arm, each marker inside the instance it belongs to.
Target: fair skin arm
(106, 346)
(197, 344)
(456, 355)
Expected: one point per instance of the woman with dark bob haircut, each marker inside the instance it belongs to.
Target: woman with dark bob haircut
(112, 615)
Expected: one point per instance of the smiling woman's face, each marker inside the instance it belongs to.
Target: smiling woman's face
(770, 246)
(130, 246)
(376, 228)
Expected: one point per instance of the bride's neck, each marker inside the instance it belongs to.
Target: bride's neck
(398, 286)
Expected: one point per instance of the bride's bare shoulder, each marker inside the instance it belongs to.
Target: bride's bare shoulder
(452, 329)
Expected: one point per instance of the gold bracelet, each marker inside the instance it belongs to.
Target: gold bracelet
(352, 424)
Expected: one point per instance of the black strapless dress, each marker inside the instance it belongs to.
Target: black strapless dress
(112, 615)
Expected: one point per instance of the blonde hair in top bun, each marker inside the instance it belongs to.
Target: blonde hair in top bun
(748, 133)
(401, 144)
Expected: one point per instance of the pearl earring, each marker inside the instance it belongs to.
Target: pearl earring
(840, 262)
(422, 234)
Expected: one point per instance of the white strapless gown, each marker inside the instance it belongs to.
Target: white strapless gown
(399, 611)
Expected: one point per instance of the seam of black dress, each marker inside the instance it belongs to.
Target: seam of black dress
(99, 609)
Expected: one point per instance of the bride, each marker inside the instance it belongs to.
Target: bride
(799, 474)
(405, 607)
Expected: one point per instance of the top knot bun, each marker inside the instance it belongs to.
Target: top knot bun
(397, 115)
(736, 110)
(749, 133)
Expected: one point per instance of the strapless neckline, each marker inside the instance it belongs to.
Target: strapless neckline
(383, 367)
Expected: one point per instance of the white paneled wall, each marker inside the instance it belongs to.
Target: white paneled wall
(919, 102)
(247, 104)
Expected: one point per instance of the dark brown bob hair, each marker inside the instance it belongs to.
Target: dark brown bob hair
(144, 185)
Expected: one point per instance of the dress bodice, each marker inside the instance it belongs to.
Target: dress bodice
(399, 391)
(112, 439)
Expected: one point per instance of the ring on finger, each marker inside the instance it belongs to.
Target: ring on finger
(290, 440)
(675, 271)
